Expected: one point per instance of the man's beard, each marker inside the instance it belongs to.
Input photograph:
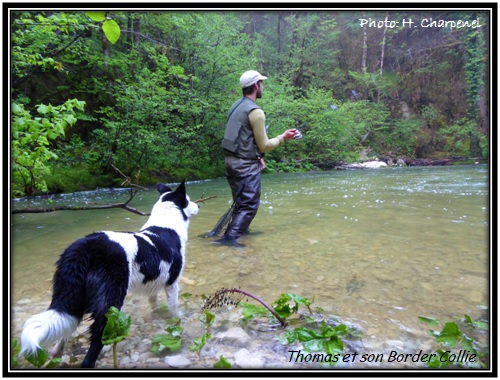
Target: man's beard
(259, 93)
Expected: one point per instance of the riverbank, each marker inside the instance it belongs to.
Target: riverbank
(246, 345)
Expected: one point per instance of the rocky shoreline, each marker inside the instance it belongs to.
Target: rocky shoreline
(246, 345)
(390, 161)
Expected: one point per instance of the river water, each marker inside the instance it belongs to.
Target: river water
(374, 249)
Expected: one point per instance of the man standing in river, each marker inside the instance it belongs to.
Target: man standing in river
(245, 143)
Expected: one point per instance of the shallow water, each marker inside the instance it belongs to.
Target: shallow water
(374, 248)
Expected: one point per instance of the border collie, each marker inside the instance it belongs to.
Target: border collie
(97, 271)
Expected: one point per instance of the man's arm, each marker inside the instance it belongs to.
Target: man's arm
(257, 123)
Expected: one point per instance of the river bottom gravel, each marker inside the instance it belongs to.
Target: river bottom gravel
(244, 344)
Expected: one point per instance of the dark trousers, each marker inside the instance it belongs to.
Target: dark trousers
(243, 176)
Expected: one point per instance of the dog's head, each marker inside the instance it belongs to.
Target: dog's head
(179, 198)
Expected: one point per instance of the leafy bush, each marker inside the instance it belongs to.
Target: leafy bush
(31, 136)
(456, 138)
(465, 336)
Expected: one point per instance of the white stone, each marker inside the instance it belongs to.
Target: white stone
(244, 359)
(374, 164)
(178, 361)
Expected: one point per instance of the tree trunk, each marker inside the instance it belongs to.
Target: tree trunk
(382, 59)
(365, 48)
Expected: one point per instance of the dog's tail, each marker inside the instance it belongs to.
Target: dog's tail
(46, 328)
(68, 302)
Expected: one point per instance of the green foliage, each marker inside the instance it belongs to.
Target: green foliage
(285, 306)
(199, 343)
(465, 338)
(36, 38)
(40, 359)
(15, 348)
(222, 363)
(251, 311)
(327, 339)
(172, 341)
(402, 138)
(456, 138)
(475, 52)
(31, 138)
(157, 87)
(117, 326)
(333, 133)
(207, 319)
(116, 329)
(109, 27)
(284, 309)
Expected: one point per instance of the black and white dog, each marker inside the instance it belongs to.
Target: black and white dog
(97, 271)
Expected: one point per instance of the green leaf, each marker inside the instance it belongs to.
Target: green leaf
(111, 30)
(199, 343)
(305, 335)
(251, 311)
(96, 16)
(163, 342)
(223, 363)
(334, 346)
(298, 299)
(117, 326)
(54, 362)
(429, 321)
(450, 335)
(288, 338)
(435, 360)
(314, 345)
(16, 108)
(43, 109)
(479, 324)
(39, 358)
(207, 318)
(175, 331)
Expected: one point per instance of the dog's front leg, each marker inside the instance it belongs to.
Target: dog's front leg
(172, 297)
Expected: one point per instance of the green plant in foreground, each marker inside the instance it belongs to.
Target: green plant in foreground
(207, 319)
(281, 308)
(14, 349)
(223, 363)
(116, 329)
(41, 359)
(326, 339)
(471, 353)
(172, 340)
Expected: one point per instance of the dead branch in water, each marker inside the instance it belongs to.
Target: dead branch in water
(134, 189)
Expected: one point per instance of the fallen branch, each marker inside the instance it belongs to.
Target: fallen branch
(233, 296)
(205, 199)
(134, 188)
(86, 207)
(76, 208)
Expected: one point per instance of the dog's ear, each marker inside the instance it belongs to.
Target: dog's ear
(181, 188)
(163, 188)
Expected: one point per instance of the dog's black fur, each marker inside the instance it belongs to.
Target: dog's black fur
(97, 271)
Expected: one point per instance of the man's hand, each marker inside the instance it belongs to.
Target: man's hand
(262, 164)
(290, 134)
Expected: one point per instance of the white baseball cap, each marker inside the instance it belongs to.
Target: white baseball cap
(250, 77)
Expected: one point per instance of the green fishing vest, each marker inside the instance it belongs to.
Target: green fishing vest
(239, 138)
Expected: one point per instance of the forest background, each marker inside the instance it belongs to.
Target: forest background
(148, 92)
